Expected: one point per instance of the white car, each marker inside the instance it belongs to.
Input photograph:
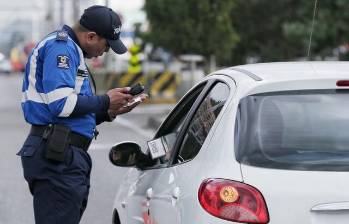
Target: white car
(5, 66)
(261, 143)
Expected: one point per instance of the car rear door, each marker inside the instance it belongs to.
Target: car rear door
(294, 148)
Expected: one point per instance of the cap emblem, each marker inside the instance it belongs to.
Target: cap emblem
(117, 30)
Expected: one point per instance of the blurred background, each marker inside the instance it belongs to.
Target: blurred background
(172, 45)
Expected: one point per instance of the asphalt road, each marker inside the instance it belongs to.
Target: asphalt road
(15, 199)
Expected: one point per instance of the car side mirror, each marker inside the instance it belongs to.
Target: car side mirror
(124, 154)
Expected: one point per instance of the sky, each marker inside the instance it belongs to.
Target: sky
(130, 10)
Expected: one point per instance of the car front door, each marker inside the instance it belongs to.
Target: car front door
(142, 190)
(172, 186)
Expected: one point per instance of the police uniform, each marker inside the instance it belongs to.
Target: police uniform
(50, 88)
(57, 93)
(55, 75)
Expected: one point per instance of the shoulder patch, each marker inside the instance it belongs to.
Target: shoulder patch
(62, 35)
(63, 61)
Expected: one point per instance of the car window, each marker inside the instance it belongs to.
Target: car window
(296, 130)
(202, 122)
(169, 141)
(170, 129)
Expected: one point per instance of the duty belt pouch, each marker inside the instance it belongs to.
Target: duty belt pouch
(57, 143)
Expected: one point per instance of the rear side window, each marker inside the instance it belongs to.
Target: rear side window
(297, 130)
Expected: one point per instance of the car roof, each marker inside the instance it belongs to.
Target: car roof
(280, 71)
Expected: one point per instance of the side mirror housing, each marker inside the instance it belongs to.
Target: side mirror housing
(129, 154)
(124, 154)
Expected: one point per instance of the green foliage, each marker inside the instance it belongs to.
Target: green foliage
(235, 30)
(192, 26)
(261, 24)
(330, 28)
(280, 30)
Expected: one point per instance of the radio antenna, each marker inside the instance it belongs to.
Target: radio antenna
(312, 29)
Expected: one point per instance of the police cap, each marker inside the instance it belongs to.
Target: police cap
(106, 23)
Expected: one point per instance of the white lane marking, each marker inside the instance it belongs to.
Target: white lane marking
(101, 146)
(150, 109)
(126, 123)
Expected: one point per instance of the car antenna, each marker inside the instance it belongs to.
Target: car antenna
(312, 29)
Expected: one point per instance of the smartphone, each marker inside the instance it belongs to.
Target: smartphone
(136, 89)
(134, 100)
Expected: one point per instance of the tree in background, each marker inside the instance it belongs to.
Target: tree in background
(260, 25)
(280, 30)
(237, 30)
(331, 27)
(192, 27)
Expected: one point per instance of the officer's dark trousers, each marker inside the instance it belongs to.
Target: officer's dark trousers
(60, 189)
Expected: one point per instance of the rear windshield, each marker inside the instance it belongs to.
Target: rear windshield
(296, 130)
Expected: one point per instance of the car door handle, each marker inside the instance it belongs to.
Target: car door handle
(336, 206)
(123, 204)
(176, 193)
(149, 193)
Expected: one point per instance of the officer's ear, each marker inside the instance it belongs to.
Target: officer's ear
(91, 36)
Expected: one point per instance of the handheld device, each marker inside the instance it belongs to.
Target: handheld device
(136, 89)
(135, 100)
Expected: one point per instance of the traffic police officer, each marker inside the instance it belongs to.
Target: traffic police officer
(63, 112)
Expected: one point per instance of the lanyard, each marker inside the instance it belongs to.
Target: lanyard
(93, 80)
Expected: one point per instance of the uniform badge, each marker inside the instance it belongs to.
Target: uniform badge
(62, 61)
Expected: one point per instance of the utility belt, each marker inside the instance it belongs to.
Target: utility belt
(58, 138)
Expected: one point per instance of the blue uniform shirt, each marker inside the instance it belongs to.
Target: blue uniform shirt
(55, 77)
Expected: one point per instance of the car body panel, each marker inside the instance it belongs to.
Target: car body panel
(298, 192)
(291, 196)
(5, 66)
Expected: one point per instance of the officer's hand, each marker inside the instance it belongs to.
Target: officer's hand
(126, 109)
(112, 114)
(119, 97)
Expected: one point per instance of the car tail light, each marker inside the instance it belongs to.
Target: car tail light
(342, 83)
(233, 201)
